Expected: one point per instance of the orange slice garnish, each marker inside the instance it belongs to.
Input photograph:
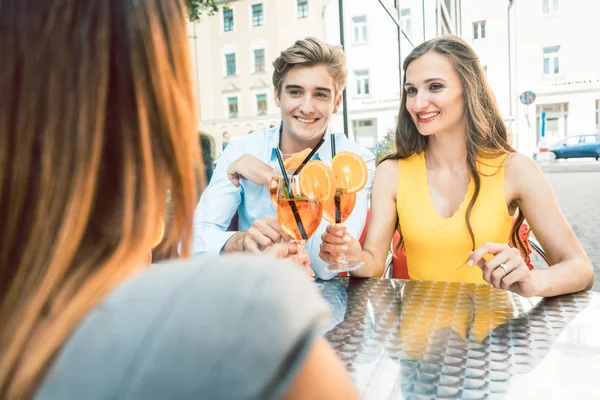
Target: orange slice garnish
(350, 171)
(296, 159)
(317, 179)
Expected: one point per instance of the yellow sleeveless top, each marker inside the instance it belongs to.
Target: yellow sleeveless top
(437, 248)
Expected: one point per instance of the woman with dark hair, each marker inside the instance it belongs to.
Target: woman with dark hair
(96, 126)
(458, 186)
(206, 146)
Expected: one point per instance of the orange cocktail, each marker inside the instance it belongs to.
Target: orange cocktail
(351, 175)
(308, 210)
(300, 206)
(345, 203)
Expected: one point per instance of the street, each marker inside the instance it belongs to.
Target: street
(577, 187)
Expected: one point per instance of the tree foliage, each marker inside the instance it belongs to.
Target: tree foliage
(198, 7)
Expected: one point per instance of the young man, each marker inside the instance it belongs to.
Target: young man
(308, 78)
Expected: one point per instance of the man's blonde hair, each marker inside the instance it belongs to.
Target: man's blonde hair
(311, 52)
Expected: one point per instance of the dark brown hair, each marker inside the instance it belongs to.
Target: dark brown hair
(486, 132)
(97, 123)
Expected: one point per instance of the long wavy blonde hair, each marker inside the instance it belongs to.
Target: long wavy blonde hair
(96, 124)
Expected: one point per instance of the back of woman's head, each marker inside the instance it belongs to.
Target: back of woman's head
(486, 132)
(96, 124)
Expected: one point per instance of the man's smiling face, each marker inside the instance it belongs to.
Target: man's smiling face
(307, 100)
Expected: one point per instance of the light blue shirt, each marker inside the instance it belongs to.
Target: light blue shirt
(221, 199)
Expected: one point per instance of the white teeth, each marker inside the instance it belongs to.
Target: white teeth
(306, 121)
(429, 115)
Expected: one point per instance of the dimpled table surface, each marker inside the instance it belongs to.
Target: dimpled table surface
(419, 339)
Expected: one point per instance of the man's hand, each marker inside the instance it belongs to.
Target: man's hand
(262, 234)
(251, 169)
(292, 251)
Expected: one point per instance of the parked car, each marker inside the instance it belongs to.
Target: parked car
(577, 147)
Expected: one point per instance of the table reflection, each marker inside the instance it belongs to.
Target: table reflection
(436, 339)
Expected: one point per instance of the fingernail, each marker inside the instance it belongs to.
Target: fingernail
(344, 248)
(470, 263)
(346, 238)
(338, 233)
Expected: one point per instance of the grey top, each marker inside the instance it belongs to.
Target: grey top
(230, 327)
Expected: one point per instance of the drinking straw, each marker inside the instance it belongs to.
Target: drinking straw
(332, 138)
(336, 198)
(289, 190)
(308, 157)
(338, 206)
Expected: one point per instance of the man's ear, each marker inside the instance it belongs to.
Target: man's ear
(276, 96)
(336, 104)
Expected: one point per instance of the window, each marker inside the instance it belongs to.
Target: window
(405, 21)
(259, 60)
(359, 29)
(228, 20)
(552, 121)
(589, 139)
(230, 64)
(572, 141)
(479, 30)
(257, 15)
(549, 6)
(232, 103)
(261, 104)
(302, 7)
(365, 132)
(448, 4)
(551, 66)
(362, 82)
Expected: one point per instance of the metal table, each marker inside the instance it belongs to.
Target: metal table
(420, 339)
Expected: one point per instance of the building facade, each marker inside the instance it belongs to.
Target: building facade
(542, 46)
(374, 67)
(233, 52)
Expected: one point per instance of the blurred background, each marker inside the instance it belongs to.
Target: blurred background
(540, 56)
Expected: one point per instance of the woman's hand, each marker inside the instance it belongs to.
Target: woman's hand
(249, 168)
(505, 270)
(336, 241)
(292, 251)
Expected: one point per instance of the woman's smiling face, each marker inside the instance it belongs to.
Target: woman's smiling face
(434, 95)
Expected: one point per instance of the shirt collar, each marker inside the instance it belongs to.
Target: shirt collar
(323, 154)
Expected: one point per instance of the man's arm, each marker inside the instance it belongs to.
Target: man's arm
(217, 206)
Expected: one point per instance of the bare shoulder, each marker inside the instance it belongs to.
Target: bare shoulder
(523, 175)
(386, 177)
(387, 171)
(388, 168)
(520, 167)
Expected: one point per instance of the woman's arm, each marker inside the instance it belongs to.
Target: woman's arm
(382, 224)
(571, 270)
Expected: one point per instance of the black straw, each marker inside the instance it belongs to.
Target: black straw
(332, 138)
(289, 190)
(308, 157)
(338, 206)
(337, 200)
